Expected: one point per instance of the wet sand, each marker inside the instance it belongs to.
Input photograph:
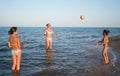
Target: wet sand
(115, 43)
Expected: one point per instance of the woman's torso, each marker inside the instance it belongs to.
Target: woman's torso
(49, 33)
(106, 41)
(14, 42)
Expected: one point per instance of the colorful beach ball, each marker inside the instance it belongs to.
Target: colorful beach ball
(82, 17)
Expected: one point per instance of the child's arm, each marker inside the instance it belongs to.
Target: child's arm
(100, 44)
(22, 46)
(55, 34)
(19, 42)
(9, 45)
(45, 32)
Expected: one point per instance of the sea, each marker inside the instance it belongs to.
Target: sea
(74, 52)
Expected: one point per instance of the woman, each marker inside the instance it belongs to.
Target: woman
(105, 44)
(15, 45)
(48, 33)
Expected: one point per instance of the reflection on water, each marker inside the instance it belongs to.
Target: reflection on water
(16, 73)
(50, 63)
(49, 56)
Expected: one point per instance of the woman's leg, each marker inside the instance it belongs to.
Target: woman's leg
(105, 56)
(47, 44)
(51, 44)
(18, 61)
(14, 62)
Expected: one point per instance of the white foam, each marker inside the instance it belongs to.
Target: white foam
(114, 60)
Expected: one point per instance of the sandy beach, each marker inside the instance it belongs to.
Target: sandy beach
(115, 43)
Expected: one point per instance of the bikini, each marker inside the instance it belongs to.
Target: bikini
(16, 52)
(107, 40)
(48, 37)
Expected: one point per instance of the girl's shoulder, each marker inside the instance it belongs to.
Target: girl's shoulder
(17, 37)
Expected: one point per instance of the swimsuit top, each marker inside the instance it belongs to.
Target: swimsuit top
(107, 39)
(49, 32)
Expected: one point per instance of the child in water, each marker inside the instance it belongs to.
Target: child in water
(104, 43)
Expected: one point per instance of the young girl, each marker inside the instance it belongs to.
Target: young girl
(105, 45)
(15, 45)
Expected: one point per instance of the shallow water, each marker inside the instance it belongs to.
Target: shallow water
(74, 53)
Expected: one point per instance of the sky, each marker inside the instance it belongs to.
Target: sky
(60, 13)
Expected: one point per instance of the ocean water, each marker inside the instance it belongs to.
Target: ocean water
(74, 53)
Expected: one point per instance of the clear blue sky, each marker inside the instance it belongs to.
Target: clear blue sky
(66, 13)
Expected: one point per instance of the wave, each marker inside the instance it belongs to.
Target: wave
(113, 61)
(95, 36)
(78, 37)
(4, 49)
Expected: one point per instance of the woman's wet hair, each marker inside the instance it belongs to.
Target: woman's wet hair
(47, 24)
(12, 30)
(106, 32)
